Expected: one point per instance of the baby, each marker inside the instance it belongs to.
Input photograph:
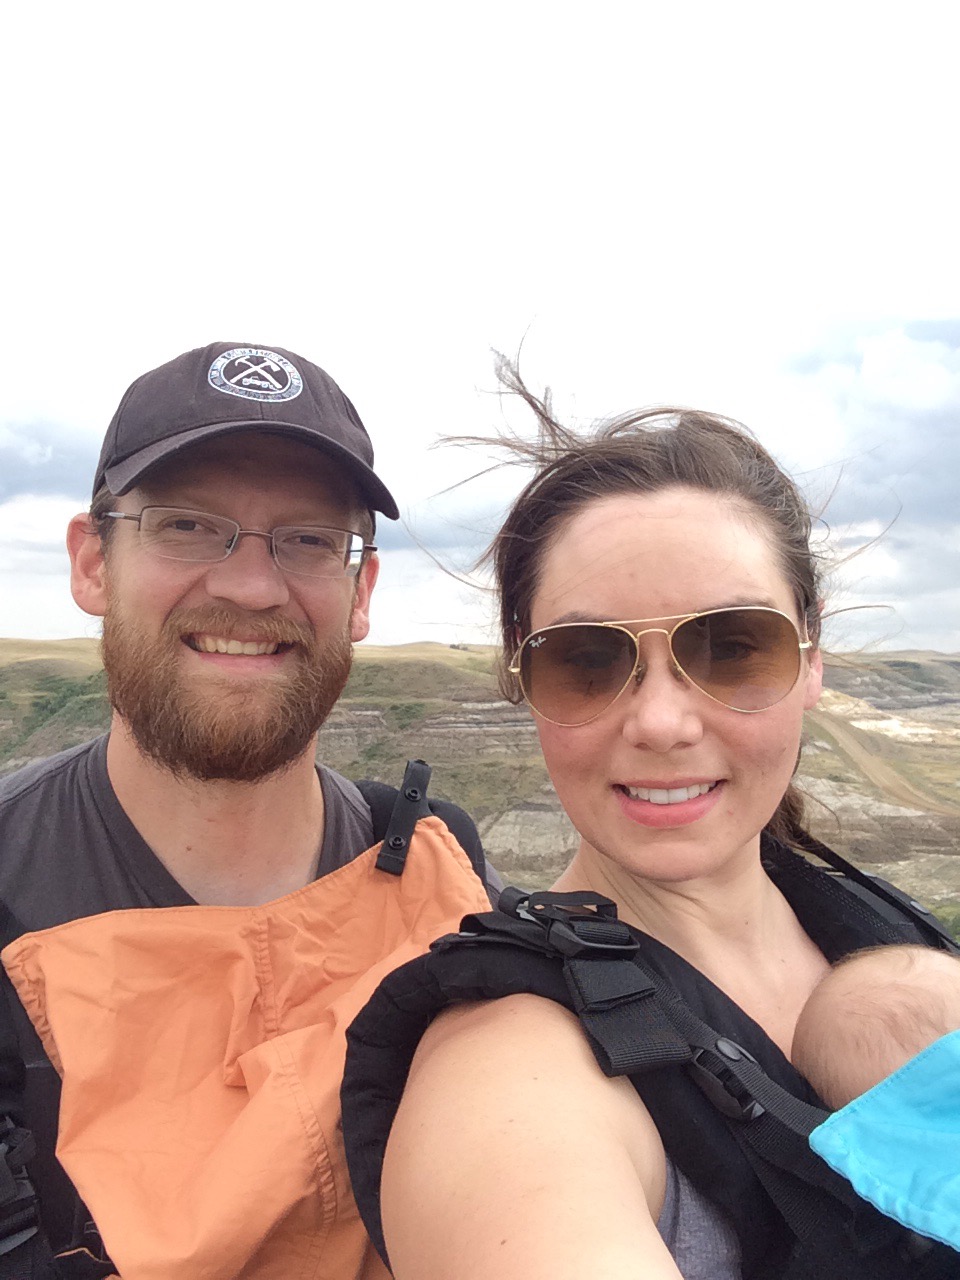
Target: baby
(879, 1040)
(871, 1014)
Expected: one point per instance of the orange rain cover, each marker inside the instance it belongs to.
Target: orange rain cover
(202, 1049)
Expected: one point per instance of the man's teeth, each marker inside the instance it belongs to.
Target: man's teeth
(251, 648)
(675, 795)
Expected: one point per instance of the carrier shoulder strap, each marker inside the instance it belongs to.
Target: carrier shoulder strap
(875, 889)
(23, 1248)
(396, 812)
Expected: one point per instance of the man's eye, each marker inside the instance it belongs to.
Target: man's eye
(314, 540)
(186, 526)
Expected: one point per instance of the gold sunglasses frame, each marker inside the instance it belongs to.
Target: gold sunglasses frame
(515, 665)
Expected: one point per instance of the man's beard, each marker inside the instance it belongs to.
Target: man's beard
(205, 728)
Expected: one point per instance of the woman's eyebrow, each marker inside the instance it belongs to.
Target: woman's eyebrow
(738, 602)
(576, 616)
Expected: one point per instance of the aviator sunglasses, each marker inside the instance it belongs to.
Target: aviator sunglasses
(747, 659)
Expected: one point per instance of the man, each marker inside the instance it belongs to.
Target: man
(229, 551)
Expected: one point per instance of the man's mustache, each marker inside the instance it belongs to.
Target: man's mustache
(222, 621)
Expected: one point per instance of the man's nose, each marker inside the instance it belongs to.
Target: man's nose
(249, 576)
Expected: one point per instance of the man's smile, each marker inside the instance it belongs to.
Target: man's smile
(204, 642)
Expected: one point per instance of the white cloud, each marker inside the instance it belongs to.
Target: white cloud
(900, 373)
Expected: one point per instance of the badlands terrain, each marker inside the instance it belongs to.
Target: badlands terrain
(880, 769)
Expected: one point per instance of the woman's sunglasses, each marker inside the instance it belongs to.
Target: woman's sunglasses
(748, 659)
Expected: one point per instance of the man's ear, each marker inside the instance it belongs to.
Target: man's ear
(88, 568)
(365, 582)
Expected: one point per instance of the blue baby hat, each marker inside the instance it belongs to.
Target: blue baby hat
(898, 1144)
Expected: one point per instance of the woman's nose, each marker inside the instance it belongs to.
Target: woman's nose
(661, 708)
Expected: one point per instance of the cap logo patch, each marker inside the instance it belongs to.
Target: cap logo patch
(255, 374)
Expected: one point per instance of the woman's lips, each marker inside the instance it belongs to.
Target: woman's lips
(676, 793)
(675, 806)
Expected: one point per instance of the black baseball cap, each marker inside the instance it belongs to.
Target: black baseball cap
(230, 387)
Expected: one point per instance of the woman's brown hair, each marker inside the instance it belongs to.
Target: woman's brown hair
(643, 452)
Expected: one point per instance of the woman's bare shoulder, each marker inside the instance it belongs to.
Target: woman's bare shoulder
(521, 1019)
(521, 1045)
(510, 1132)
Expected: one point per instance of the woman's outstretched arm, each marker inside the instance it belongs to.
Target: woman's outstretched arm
(513, 1156)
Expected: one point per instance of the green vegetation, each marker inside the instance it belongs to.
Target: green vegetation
(948, 913)
(926, 674)
(488, 787)
(415, 678)
(401, 715)
(54, 692)
(37, 693)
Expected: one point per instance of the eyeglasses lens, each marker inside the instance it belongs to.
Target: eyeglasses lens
(747, 659)
(316, 552)
(185, 535)
(570, 673)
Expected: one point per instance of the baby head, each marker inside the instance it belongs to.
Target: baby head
(871, 1014)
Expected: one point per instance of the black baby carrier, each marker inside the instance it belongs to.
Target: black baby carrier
(733, 1114)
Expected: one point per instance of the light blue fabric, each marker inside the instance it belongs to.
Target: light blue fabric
(899, 1143)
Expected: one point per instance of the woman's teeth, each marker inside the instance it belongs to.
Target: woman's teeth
(675, 795)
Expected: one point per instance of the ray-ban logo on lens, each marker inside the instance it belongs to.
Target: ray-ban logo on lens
(255, 374)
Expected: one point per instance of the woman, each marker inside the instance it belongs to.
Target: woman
(660, 610)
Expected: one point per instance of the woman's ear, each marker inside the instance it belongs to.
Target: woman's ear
(88, 568)
(813, 679)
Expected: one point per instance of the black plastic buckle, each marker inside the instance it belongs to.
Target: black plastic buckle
(19, 1215)
(725, 1090)
(575, 924)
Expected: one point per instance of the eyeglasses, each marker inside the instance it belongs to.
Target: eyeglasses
(747, 659)
(311, 550)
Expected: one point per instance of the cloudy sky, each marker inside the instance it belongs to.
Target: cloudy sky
(749, 208)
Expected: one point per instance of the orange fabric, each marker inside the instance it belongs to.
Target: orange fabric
(201, 1050)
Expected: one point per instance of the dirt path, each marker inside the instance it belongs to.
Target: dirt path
(883, 775)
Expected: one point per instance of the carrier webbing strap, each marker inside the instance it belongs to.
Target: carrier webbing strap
(19, 1215)
(615, 1000)
(23, 1251)
(935, 933)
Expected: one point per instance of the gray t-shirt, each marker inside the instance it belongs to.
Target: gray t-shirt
(700, 1237)
(68, 850)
